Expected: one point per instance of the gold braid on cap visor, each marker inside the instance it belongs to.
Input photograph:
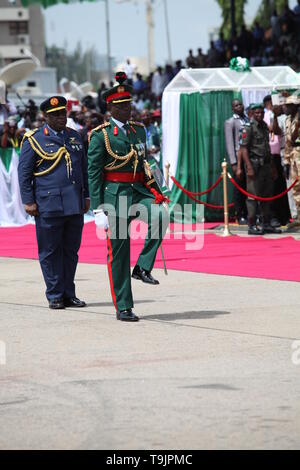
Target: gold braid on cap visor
(55, 109)
(121, 101)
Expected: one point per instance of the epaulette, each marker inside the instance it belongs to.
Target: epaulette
(29, 134)
(135, 123)
(98, 128)
(102, 126)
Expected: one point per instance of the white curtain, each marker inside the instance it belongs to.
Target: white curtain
(254, 96)
(170, 129)
(11, 207)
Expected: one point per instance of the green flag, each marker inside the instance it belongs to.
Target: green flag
(6, 155)
(50, 3)
(202, 148)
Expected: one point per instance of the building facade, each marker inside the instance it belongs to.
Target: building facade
(22, 32)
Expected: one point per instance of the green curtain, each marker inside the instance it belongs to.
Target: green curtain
(49, 3)
(202, 148)
(6, 155)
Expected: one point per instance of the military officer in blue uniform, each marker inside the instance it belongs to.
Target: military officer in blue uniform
(54, 189)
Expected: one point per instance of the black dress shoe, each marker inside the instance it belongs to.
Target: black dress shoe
(254, 230)
(56, 304)
(143, 275)
(127, 315)
(268, 228)
(74, 302)
(275, 222)
(242, 221)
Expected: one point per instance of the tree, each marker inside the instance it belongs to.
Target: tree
(76, 65)
(266, 9)
(225, 6)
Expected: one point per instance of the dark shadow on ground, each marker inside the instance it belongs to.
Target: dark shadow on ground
(201, 315)
(109, 304)
(213, 387)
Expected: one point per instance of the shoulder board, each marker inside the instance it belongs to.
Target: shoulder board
(102, 126)
(135, 123)
(98, 128)
(29, 134)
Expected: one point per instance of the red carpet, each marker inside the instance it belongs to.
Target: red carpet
(235, 256)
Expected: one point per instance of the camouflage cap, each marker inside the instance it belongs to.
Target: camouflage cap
(293, 99)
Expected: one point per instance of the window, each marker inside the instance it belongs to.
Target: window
(18, 27)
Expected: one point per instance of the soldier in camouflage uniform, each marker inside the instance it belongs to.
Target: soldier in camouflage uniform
(292, 150)
(256, 154)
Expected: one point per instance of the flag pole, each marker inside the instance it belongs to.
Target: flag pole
(150, 24)
(168, 32)
(109, 68)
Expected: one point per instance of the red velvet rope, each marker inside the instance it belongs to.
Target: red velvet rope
(191, 193)
(265, 199)
(206, 204)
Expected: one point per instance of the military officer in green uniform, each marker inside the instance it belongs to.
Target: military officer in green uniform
(120, 181)
(261, 170)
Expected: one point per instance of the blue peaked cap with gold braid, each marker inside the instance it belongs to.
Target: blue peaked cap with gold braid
(55, 103)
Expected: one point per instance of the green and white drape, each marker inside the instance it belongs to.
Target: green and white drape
(50, 3)
(194, 141)
(11, 207)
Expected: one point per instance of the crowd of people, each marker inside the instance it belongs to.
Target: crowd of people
(276, 44)
(85, 116)
(82, 117)
(263, 148)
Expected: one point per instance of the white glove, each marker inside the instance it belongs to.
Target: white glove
(101, 220)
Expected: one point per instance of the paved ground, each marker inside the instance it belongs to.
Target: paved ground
(242, 231)
(209, 366)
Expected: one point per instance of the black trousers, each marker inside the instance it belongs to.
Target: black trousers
(59, 241)
(280, 207)
(239, 200)
(261, 185)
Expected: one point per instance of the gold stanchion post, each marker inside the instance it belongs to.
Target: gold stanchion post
(167, 178)
(226, 232)
(167, 173)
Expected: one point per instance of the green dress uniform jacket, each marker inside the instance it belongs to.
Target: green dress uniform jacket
(108, 147)
(121, 145)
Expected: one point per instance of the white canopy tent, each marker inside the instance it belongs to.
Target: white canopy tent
(253, 85)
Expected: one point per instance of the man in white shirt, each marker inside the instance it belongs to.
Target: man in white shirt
(280, 207)
(129, 69)
(6, 109)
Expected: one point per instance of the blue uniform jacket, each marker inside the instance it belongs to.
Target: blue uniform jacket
(55, 193)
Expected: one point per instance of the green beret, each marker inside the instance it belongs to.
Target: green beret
(256, 106)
